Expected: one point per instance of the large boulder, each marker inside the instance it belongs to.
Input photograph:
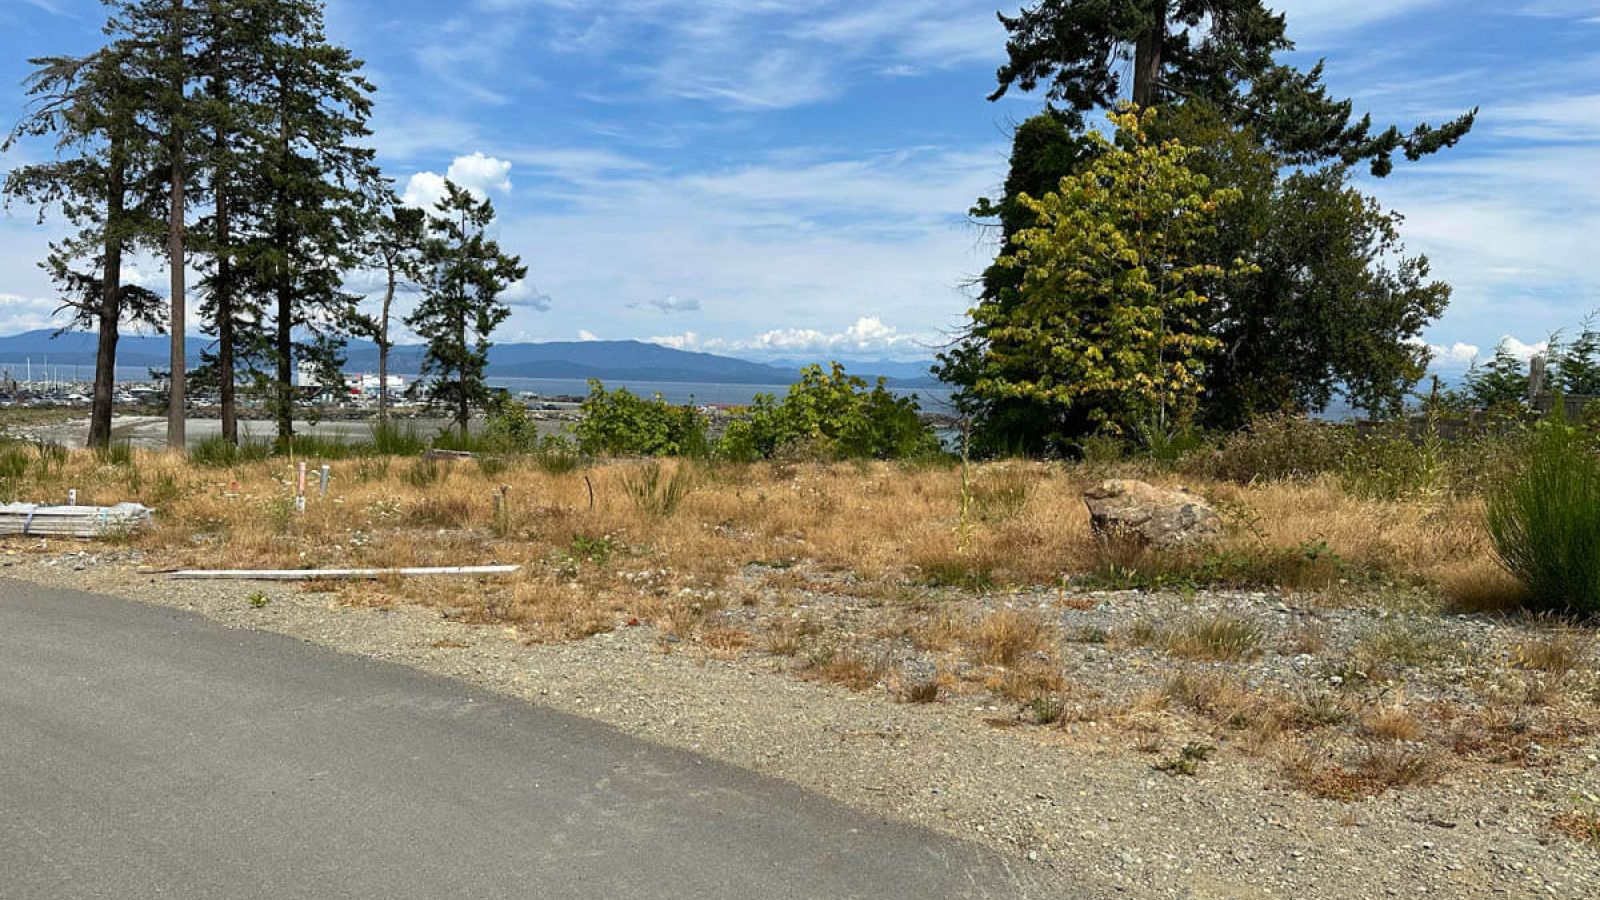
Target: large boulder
(1126, 509)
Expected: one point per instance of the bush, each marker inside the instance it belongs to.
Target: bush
(14, 464)
(656, 496)
(509, 428)
(556, 455)
(215, 452)
(1399, 460)
(1280, 448)
(830, 415)
(1545, 521)
(319, 447)
(392, 439)
(117, 454)
(619, 423)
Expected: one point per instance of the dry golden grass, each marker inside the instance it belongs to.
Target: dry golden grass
(851, 668)
(1392, 722)
(1582, 825)
(843, 567)
(1557, 653)
(1368, 772)
(1006, 636)
(884, 523)
(1217, 635)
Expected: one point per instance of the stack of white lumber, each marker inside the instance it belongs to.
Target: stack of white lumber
(72, 521)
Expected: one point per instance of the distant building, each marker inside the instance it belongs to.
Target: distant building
(356, 384)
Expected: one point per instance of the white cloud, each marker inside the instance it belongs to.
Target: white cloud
(587, 336)
(868, 333)
(524, 294)
(868, 336)
(689, 340)
(424, 189)
(1521, 350)
(671, 303)
(18, 314)
(481, 174)
(1458, 355)
(478, 174)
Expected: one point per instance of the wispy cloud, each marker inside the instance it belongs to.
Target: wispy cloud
(760, 54)
(669, 304)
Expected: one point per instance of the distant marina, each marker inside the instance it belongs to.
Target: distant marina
(73, 385)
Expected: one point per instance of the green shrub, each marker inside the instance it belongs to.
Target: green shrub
(1279, 448)
(215, 452)
(509, 428)
(619, 423)
(450, 439)
(389, 438)
(317, 447)
(655, 495)
(557, 455)
(52, 457)
(14, 464)
(830, 415)
(492, 466)
(423, 473)
(119, 454)
(1545, 521)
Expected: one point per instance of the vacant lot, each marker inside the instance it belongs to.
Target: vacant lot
(1349, 654)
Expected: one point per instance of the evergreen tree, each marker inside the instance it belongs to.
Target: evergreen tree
(1501, 384)
(1221, 52)
(159, 36)
(91, 108)
(1332, 304)
(1327, 303)
(311, 189)
(396, 248)
(1102, 331)
(1575, 368)
(228, 121)
(464, 272)
(1044, 149)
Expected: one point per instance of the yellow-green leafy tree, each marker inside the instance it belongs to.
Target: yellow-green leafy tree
(1103, 327)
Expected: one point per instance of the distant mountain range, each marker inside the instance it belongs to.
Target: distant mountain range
(616, 360)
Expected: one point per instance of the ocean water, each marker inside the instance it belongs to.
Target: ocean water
(932, 399)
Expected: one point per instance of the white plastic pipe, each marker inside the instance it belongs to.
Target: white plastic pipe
(335, 574)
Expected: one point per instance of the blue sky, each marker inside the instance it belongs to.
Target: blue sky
(781, 178)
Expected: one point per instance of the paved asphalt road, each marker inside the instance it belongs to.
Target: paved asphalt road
(147, 753)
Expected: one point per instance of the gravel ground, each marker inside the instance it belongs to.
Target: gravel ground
(1077, 802)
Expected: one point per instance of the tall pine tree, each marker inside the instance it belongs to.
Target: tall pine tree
(160, 38)
(99, 181)
(396, 249)
(1222, 52)
(464, 274)
(312, 190)
(1327, 302)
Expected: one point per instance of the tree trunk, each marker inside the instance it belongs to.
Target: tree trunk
(175, 258)
(1147, 56)
(222, 294)
(110, 314)
(284, 343)
(224, 312)
(383, 348)
(463, 408)
(285, 354)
